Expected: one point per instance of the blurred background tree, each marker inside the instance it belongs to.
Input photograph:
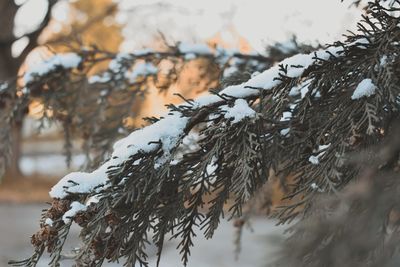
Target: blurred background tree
(89, 23)
(93, 25)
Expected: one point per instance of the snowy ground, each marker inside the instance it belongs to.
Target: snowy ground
(18, 222)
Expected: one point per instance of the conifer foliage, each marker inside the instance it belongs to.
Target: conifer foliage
(321, 117)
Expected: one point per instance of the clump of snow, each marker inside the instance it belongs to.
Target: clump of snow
(285, 132)
(323, 147)
(301, 89)
(167, 131)
(212, 167)
(286, 116)
(383, 60)
(314, 186)
(191, 141)
(3, 86)
(198, 49)
(141, 70)
(115, 65)
(190, 56)
(314, 159)
(239, 111)
(66, 61)
(105, 77)
(48, 222)
(229, 71)
(75, 207)
(364, 88)
(362, 43)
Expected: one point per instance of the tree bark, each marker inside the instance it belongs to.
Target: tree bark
(13, 171)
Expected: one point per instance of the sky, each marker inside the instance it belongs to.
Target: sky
(260, 22)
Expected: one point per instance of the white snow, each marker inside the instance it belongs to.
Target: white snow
(229, 71)
(3, 86)
(67, 61)
(239, 111)
(267, 80)
(314, 186)
(105, 77)
(92, 199)
(141, 70)
(315, 159)
(323, 147)
(301, 89)
(170, 129)
(212, 167)
(115, 65)
(383, 60)
(75, 207)
(48, 222)
(190, 56)
(167, 130)
(286, 116)
(285, 132)
(198, 49)
(143, 52)
(362, 43)
(364, 88)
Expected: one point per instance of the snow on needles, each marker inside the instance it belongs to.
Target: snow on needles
(267, 80)
(364, 88)
(75, 207)
(141, 70)
(169, 130)
(239, 111)
(314, 159)
(67, 61)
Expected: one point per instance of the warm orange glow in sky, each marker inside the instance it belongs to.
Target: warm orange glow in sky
(260, 22)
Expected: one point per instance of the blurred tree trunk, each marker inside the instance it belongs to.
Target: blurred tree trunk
(10, 64)
(8, 69)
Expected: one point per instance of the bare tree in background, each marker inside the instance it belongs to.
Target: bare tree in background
(98, 134)
(10, 65)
